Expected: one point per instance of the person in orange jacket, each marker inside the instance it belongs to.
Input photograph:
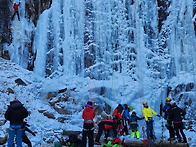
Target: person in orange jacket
(117, 114)
(88, 126)
(15, 6)
(118, 111)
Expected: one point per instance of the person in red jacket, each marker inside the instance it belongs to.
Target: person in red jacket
(88, 126)
(15, 6)
(118, 111)
(117, 114)
(105, 125)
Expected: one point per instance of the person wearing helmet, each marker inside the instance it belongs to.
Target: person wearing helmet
(176, 114)
(148, 115)
(134, 125)
(166, 109)
(15, 6)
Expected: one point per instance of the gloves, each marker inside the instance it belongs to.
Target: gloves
(158, 115)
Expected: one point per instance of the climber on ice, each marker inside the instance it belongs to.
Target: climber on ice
(15, 6)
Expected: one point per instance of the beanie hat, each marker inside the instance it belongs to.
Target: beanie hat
(90, 103)
(131, 108)
(173, 103)
(15, 100)
(133, 112)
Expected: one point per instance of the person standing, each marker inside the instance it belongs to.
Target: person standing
(88, 126)
(148, 115)
(117, 115)
(15, 113)
(117, 112)
(15, 6)
(134, 125)
(167, 109)
(125, 118)
(176, 115)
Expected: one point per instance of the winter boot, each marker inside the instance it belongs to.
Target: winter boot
(137, 134)
(133, 134)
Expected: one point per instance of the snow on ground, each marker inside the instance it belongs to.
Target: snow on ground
(33, 98)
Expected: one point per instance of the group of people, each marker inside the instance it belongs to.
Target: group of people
(121, 121)
(174, 116)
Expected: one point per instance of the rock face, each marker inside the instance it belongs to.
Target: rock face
(4, 22)
(35, 8)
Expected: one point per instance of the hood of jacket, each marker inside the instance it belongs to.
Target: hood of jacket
(15, 105)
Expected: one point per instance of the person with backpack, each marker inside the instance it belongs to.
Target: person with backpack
(134, 125)
(148, 115)
(176, 116)
(88, 125)
(117, 114)
(15, 6)
(105, 125)
(167, 109)
(15, 113)
(125, 118)
(25, 139)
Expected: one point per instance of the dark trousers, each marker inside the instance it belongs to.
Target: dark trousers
(179, 127)
(88, 131)
(16, 12)
(101, 129)
(26, 140)
(125, 128)
(170, 128)
(149, 129)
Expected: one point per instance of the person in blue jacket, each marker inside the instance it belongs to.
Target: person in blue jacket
(125, 118)
(167, 111)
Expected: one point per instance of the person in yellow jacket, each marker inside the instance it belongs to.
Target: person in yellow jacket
(148, 115)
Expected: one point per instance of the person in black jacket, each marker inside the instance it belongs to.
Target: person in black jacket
(176, 114)
(166, 109)
(134, 125)
(15, 113)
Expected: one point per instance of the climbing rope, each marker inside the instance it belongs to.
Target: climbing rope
(113, 13)
(141, 92)
(161, 105)
(87, 41)
(86, 35)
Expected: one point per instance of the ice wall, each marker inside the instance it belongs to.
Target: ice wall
(123, 36)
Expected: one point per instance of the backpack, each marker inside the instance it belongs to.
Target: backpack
(116, 140)
(74, 141)
(133, 122)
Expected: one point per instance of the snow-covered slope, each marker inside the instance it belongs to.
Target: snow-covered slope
(55, 106)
